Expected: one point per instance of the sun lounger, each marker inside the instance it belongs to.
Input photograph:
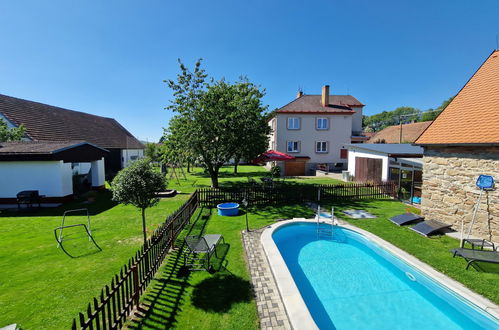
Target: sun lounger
(471, 255)
(426, 228)
(406, 218)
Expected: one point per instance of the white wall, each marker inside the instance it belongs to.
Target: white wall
(50, 178)
(353, 153)
(98, 173)
(338, 135)
(357, 119)
(129, 155)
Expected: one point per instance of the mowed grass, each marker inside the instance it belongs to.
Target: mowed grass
(200, 300)
(434, 251)
(197, 178)
(43, 288)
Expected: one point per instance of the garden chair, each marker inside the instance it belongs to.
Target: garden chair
(195, 245)
(472, 255)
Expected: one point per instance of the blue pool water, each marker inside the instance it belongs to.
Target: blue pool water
(352, 283)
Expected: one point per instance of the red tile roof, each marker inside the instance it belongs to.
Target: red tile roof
(340, 104)
(49, 123)
(391, 134)
(473, 115)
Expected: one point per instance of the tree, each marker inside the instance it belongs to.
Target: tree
(431, 114)
(10, 134)
(138, 184)
(209, 115)
(152, 152)
(249, 122)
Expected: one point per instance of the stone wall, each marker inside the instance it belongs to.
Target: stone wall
(449, 190)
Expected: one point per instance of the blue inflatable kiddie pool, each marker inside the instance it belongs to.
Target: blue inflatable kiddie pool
(228, 209)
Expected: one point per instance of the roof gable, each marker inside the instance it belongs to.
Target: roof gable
(49, 123)
(472, 117)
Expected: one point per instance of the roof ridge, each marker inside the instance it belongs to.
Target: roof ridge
(53, 106)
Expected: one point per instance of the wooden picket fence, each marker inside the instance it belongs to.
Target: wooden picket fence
(117, 301)
(283, 193)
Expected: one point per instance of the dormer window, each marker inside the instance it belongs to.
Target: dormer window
(322, 123)
(293, 123)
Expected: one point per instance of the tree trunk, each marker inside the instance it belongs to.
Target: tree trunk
(214, 176)
(188, 167)
(144, 225)
(236, 162)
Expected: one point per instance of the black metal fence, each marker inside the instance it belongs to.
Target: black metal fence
(283, 193)
(117, 301)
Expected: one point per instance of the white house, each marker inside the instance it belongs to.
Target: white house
(316, 130)
(49, 123)
(47, 168)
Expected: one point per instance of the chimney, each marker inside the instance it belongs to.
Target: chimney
(325, 96)
(299, 94)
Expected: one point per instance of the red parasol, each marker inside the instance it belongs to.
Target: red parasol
(272, 155)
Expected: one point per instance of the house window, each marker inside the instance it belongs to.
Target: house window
(321, 146)
(293, 146)
(293, 123)
(322, 123)
(343, 153)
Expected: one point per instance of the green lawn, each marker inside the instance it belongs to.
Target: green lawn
(197, 178)
(222, 300)
(201, 300)
(40, 286)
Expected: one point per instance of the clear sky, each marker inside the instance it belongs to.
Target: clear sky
(110, 57)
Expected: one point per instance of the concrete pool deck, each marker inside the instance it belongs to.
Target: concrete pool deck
(296, 309)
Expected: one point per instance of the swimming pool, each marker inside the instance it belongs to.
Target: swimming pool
(351, 282)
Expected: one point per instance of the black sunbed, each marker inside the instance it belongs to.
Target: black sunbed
(471, 255)
(406, 218)
(428, 227)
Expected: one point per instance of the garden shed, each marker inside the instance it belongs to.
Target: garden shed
(47, 168)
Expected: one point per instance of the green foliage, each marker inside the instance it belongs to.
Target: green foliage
(152, 152)
(10, 134)
(275, 171)
(138, 184)
(212, 118)
(384, 119)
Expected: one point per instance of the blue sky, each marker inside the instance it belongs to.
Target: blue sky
(110, 57)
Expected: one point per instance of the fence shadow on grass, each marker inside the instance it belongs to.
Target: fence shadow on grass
(167, 293)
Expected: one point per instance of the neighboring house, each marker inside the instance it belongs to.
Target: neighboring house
(47, 168)
(316, 129)
(49, 123)
(460, 144)
(400, 163)
(391, 134)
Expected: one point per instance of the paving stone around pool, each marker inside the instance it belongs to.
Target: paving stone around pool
(269, 304)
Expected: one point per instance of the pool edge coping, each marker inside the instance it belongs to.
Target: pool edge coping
(296, 308)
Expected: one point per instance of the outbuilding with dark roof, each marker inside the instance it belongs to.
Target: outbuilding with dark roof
(50, 123)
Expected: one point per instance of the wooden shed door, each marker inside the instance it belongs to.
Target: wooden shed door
(368, 169)
(294, 167)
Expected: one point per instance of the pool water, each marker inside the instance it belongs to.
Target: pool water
(349, 282)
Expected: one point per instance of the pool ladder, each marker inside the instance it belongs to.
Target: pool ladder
(326, 226)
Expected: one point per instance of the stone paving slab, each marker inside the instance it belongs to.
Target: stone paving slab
(268, 300)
